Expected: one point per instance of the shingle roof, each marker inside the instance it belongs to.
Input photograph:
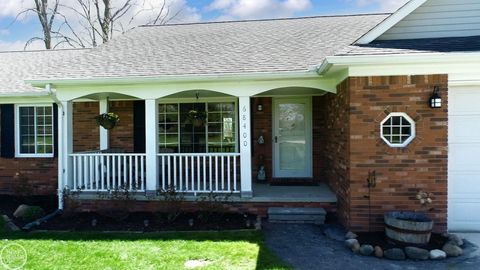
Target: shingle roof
(409, 46)
(219, 48)
(16, 66)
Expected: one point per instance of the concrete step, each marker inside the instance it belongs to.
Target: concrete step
(296, 215)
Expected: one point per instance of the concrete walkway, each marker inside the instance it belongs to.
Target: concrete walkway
(306, 247)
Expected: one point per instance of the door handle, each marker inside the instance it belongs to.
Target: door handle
(275, 139)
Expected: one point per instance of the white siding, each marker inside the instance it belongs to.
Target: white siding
(438, 18)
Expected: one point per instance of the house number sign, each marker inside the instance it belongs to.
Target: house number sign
(244, 126)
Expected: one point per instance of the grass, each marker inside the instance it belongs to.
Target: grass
(223, 250)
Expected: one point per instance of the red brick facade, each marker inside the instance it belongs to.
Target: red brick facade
(346, 147)
(355, 148)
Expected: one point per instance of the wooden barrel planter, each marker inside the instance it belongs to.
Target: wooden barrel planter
(408, 227)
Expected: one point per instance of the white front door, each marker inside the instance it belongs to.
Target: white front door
(292, 137)
(463, 160)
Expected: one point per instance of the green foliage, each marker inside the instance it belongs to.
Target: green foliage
(33, 213)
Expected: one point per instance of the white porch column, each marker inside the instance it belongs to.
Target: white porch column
(151, 143)
(66, 143)
(104, 139)
(245, 147)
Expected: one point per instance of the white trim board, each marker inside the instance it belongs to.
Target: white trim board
(391, 21)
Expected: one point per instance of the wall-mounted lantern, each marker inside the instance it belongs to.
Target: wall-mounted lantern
(435, 100)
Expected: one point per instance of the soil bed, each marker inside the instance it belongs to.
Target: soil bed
(379, 239)
(156, 222)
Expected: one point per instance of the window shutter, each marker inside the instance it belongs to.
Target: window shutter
(139, 126)
(55, 130)
(7, 126)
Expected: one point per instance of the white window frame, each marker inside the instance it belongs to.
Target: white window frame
(17, 132)
(210, 100)
(412, 128)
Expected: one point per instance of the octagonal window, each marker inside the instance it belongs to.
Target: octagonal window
(397, 129)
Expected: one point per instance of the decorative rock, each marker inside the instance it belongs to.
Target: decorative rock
(437, 254)
(394, 254)
(415, 253)
(455, 240)
(351, 235)
(452, 250)
(351, 242)
(21, 211)
(366, 250)
(356, 247)
(378, 252)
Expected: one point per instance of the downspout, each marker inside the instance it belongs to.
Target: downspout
(53, 95)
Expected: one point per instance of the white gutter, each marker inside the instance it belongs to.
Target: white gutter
(53, 95)
(281, 75)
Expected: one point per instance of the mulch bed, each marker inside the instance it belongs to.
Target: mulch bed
(156, 222)
(379, 239)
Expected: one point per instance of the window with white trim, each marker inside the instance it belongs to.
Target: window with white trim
(34, 136)
(199, 127)
(397, 129)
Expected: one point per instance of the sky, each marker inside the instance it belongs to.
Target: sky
(15, 33)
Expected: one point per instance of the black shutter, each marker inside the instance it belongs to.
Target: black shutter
(55, 130)
(7, 126)
(139, 126)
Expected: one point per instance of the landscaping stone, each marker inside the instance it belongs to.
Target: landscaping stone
(378, 252)
(452, 250)
(21, 211)
(437, 254)
(351, 242)
(9, 225)
(394, 254)
(455, 240)
(334, 232)
(351, 235)
(366, 250)
(415, 253)
(356, 248)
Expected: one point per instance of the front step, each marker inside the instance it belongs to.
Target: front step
(296, 215)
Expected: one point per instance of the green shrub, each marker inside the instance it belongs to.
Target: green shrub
(33, 213)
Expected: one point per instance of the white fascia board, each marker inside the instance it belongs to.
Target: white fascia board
(391, 21)
(281, 75)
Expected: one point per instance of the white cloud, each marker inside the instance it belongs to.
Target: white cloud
(257, 9)
(19, 45)
(383, 5)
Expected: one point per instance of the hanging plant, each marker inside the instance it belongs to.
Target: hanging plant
(107, 120)
(197, 118)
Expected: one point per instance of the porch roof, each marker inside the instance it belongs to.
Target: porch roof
(217, 48)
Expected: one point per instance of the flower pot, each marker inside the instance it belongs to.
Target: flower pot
(108, 124)
(408, 227)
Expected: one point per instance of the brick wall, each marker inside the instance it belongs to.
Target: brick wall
(86, 133)
(121, 137)
(336, 147)
(40, 175)
(401, 172)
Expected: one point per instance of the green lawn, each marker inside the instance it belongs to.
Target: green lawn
(223, 250)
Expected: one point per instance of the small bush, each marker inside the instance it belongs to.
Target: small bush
(33, 213)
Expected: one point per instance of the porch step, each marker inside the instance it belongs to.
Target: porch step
(296, 215)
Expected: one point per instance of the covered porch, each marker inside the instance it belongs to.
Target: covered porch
(175, 153)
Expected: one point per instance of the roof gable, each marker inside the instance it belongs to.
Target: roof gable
(421, 19)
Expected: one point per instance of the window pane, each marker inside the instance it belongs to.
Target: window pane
(36, 130)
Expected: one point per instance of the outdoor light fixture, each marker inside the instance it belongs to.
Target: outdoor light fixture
(435, 100)
(259, 107)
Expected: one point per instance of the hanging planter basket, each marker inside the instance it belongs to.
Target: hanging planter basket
(107, 120)
(197, 118)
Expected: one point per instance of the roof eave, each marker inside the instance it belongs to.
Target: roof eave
(306, 74)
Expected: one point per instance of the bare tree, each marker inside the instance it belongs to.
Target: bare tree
(96, 22)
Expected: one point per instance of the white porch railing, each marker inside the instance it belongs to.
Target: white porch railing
(199, 173)
(96, 171)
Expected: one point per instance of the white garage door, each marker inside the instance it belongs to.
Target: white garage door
(464, 159)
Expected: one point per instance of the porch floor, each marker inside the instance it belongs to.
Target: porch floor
(268, 193)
